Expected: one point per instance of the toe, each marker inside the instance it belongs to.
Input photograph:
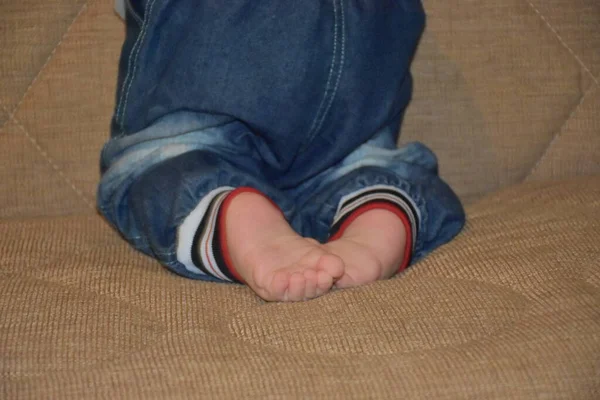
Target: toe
(346, 281)
(310, 291)
(324, 282)
(332, 265)
(278, 286)
(296, 287)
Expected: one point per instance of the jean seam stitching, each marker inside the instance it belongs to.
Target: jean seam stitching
(315, 123)
(130, 77)
(133, 13)
(340, 67)
(120, 100)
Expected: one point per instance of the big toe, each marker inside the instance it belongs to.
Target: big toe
(331, 265)
(324, 283)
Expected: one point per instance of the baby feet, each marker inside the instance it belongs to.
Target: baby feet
(280, 265)
(373, 247)
(277, 263)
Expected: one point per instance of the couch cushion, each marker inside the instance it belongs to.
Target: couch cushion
(510, 309)
(503, 91)
(507, 90)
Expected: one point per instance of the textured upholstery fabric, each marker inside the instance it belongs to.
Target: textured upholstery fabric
(507, 94)
(511, 309)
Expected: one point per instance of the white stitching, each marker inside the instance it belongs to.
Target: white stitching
(331, 68)
(142, 36)
(134, 13)
(120, 102)
(340, 68)
(560, 39)
(129, 63)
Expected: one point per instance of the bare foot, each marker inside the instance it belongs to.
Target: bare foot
(277, 263)
(372, 248)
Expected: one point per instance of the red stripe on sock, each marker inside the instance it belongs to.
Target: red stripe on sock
(382, 206)
(223, 226)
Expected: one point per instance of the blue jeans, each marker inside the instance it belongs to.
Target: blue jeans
(302, 100)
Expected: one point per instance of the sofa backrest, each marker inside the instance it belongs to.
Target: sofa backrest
(504, 92)
(507, 91)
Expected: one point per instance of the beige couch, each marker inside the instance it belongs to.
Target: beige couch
(507, 93)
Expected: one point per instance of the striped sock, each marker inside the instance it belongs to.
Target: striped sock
(210, 251)
(207, 251)
(380, 197)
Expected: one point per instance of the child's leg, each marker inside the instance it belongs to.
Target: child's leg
(381, 209)
(374, 242)
(189, 73)
(174, 198)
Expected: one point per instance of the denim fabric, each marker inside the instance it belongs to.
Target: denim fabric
(302, 100)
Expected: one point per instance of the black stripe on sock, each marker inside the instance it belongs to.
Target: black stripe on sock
(335, 228)
(384, 191)
(402, 201)
(218, 250)
(200, 232)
